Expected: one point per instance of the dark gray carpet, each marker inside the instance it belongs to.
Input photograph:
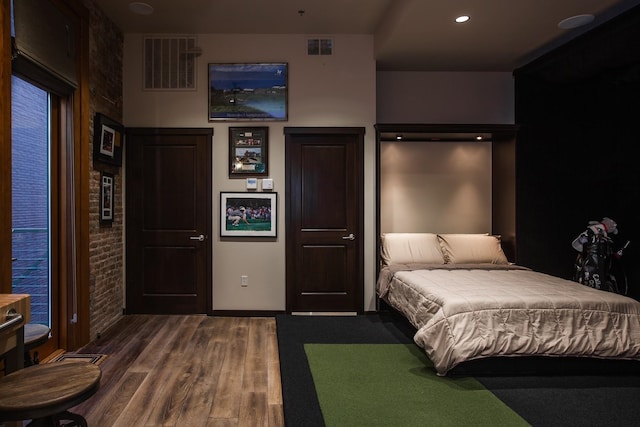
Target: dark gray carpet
(301, 407)
(544, 392)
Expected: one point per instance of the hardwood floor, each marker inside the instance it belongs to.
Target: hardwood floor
(187, 371)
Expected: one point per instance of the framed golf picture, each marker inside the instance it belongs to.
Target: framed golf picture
(248, 214)
(248, 151)
(248, 91)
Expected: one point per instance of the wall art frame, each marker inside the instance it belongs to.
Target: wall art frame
(248, 151)
(245, 214)
(108, 138)
(248, 91)
(107, 187)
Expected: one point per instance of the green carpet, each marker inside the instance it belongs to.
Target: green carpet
(395, 385)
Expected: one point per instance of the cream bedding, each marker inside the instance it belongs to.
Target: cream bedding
(465, 312)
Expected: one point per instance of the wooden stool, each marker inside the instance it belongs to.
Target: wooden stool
(44, 393)
(35, 335)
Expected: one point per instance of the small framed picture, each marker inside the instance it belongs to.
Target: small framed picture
(248, 151)
(248, 214)
(107, 140)
(107, 184)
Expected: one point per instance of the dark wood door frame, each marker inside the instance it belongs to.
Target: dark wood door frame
(334, 237)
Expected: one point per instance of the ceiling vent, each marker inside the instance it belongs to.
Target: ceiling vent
(319, 47)
(170, 63)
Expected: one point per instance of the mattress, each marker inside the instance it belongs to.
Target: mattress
(464, 312)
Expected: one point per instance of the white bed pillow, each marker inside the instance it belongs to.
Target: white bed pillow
(411, 248)
(472, 249)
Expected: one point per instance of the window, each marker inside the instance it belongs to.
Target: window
(49, 100)
(31, 217)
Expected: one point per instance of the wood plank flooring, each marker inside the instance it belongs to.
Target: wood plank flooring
(187, 371)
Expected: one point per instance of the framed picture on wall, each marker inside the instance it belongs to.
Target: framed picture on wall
(248, 155)
(248, 91)
(107, 140)
(248, 214)
(107, 185)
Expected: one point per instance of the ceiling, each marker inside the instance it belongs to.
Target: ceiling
(410, 35)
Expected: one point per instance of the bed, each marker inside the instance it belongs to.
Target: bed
(467, 302)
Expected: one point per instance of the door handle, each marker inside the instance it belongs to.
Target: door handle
(200, 238)
(349, 237)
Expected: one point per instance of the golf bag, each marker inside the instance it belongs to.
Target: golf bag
(598, 264)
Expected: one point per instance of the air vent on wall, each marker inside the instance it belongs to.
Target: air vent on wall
(319, 47)
(170, 63)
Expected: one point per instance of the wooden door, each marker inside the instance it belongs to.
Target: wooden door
(324, 219)
(168, 211)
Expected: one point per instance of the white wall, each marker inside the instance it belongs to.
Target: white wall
(339, 90)
(436, 187)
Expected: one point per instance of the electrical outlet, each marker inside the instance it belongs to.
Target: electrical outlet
(244, 281)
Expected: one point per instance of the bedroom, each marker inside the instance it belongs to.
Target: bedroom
(374, 96)
(550, 217)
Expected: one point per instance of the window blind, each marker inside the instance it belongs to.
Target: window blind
(44, 36)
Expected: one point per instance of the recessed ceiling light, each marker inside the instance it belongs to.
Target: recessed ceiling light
(575, 21)
(462, 18)
(140, 8)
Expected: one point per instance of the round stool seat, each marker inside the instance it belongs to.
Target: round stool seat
(42, 391)
(35, 335)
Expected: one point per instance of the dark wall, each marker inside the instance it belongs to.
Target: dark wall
(578, 111)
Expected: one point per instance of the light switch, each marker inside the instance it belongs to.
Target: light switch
(267, 184)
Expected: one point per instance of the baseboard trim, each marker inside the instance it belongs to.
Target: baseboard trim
(324, 313)
(245, 313)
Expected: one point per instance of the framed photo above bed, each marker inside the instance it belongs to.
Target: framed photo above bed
(107, 140)
(248, 91)
(248, 214)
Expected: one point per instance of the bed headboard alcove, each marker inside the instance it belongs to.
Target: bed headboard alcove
(446, 178)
